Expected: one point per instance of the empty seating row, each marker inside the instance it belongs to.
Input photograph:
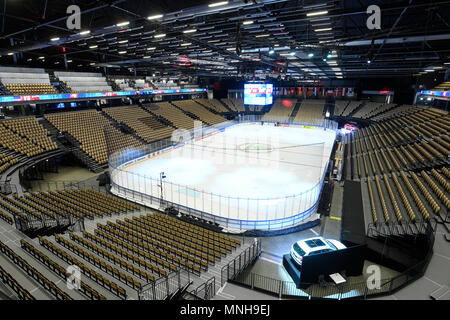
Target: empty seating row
(88, 128)
(32, 130)
(141, 122)
(22, 89)
(236, 105)
(128, 255)
(165, 254)
(339, 106)
(196, 231)
(310, 112)
(22, 209)
(60, 271)
(199, 240)
(281, 110)
(350, 108)
(32, 272)
(53, 204)
(6, 217)
(99, 252)
(84, 81)
(4, 204)
(438, 191)
(416, 198)
(14, 142)
(199, 111)
(444, 86)
(7, 161)
(213, 104)
(129, 252)
(156, 239)
(173, 238)
(172, 114)
(21, 293)
(26, 81)
(94, 275)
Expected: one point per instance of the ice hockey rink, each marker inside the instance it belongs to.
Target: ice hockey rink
(248, 172)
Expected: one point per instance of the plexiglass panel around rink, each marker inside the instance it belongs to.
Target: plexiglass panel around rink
(244, 174)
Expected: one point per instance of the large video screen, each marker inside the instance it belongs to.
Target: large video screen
(258, 94)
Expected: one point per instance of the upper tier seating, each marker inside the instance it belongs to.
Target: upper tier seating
(124, 84)
(141, 122)
(213, 104)
(310, 112)
(25, 136)
(235, 104)
(79, 82)
(279, 112)
(350, 107)
(26, 81)
(339, 107)
(32, 130)
(372, 108)
(164, 84)
(444, 86)
(403, 109)
(172, 114)
(199, 111)
(88, 128)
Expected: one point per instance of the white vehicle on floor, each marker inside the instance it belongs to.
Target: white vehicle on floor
(312, 246)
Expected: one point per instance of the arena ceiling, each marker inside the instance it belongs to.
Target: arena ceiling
(305, 39)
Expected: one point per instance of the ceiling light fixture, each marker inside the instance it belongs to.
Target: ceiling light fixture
(156, 16)
(218, 4)
(122, 24)
(323, 29)
(316, 13)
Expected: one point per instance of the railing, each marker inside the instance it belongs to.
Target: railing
(275, 213)
(398, 229)
(241, 262)
(165, 286)
(347, 290)
(205, 291)
(43, 186)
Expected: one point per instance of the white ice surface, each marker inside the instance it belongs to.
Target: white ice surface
(211, 174)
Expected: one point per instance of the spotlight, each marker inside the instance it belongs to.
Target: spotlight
(310, 55)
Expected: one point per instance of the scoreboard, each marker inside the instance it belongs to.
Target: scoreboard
(258, 94)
